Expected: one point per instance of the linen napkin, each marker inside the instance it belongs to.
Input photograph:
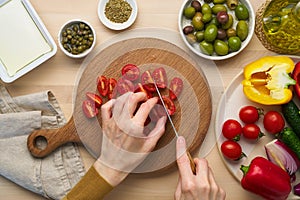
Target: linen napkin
(51, 177)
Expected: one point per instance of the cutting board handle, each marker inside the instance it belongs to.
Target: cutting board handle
(54, 138)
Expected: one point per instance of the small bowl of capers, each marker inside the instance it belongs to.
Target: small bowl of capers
(77, 38)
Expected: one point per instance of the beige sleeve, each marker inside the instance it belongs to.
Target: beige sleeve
(92, 186)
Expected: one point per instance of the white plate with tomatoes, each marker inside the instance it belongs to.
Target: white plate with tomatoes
(230, 106)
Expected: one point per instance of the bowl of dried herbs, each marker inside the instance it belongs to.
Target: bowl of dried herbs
(117, 14)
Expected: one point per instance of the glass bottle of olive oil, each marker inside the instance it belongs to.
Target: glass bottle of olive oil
(282, 24)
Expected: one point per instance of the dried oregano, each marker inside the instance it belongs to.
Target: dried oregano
(118, 11)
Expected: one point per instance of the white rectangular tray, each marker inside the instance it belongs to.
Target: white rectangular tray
(40, 58)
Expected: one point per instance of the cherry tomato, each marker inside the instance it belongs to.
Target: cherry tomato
(102, 85)
(130, 72)
(111, 88)
(252, 131)
(232, 150)
(232, 129)
(296, 77)
(147, 81)
(160, 77)
(89, 109)
(169, 105)
(140, 88)
(250, 114)
(124, 85)
(176, 87)
(94, 98)
(273, 122)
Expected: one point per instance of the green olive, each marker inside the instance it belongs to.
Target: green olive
(229, 23)
(230, 32)
(221, 47)
(197, 21)
(191, 38)
(207, 17)
(210, 33)
(218, 1)
(217, 8)
(206, 8)
(242, 29)
(189, 12)
(232, 4)
(214, 21)
(234, 43)
(241, 12)
(206, 48)
(199, 36)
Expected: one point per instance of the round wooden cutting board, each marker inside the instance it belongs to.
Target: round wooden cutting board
(194, 107)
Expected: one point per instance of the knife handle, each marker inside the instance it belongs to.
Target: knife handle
(192, 163)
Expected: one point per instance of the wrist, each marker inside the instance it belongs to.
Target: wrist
(113, 176)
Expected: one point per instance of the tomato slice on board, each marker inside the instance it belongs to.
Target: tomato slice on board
(175, 88)
(96, 99)
(169, 105)
(111, 88)
(131, 72)
(160, 77)
(147, 81)
(89, 109)
(124, 86)
(140, 88)
(102, 85)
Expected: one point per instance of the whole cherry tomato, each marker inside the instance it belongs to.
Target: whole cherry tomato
(250, 114)
(273, 122)
(111, 93)
(102, 85)
(175, 88)
(252, 131)
(232, 150)
(130, 72)
(160, 77)
(147, 81)
(89, 109)
(232, 129)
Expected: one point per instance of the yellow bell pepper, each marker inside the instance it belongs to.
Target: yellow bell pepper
(266, 80)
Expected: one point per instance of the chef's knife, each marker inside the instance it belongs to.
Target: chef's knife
(193, 166)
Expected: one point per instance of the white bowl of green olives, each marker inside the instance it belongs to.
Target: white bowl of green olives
(216, 29)
(76, 38)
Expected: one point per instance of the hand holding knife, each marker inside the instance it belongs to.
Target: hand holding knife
(193, 166)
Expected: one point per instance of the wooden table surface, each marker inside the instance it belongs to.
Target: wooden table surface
(60, 72)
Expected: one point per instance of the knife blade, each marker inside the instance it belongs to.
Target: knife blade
(192, 163)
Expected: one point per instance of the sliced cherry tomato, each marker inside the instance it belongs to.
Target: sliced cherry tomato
(147, 81)
(232, 129)
(250, 114)
(130, 72)
(124, 85)
(102, 85)
(96, 99)
(140, 88)
(176, 87)
(296, 77)
(111, 88)
(232, 150)
(273, 122)
(160, 77)
(252, 131)
(89, 109)
(169, 105)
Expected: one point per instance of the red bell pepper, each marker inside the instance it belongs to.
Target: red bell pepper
(296, 77)
(266, 179)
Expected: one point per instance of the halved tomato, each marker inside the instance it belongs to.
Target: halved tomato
(139, 88)
(160, 77)
(147, 81)
(111, 88)
(102, 85)
(124, 85)
(169, 105)
(96, 99)
(176, 87)
(89, 109)
(130, 72)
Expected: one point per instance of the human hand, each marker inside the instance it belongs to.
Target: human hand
(124, 145)
(195, 187)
